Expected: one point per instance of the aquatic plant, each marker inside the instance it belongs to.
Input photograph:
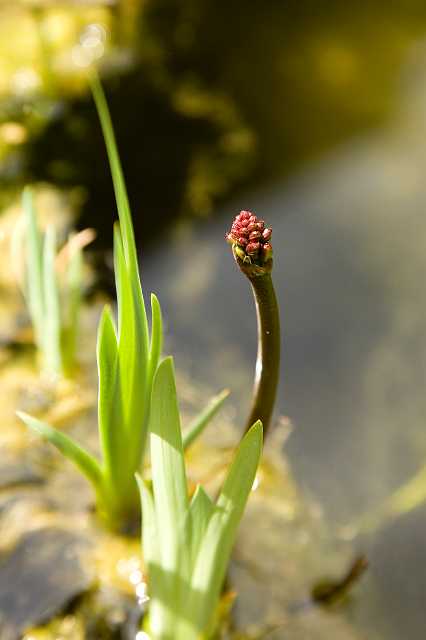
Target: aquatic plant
(52, 286)
(187, 541)
(128, 356)
(252, 250)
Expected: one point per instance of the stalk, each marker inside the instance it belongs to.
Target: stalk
(253, 254)
(268, 351)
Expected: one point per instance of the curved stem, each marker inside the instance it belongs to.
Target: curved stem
(268, 350)
(252, 251)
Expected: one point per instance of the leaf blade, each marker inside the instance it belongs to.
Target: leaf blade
(201, 421)
(33, 288)
(109, 400)
(83, 460)
(140, 391)
(156, 336)
(149, 528)
(167, 462)
(116, 173)
(200, 511)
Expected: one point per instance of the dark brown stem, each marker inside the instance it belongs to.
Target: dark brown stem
(268, 348)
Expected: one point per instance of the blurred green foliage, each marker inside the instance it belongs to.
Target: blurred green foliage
(207, 96)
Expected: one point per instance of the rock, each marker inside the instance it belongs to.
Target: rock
(15, 472)
(39, 578)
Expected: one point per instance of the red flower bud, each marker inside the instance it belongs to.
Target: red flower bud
(249, 238)
(252, 247)
(254, 235)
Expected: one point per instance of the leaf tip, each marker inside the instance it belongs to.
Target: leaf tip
(256, 427)
(22, 415)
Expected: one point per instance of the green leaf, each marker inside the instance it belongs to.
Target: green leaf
(167, 462)
(127, 338)
(116, 173)
(201, 421)
(122, 205)
(215, 549)
(156, 336)
(138, 391)
(52, 317)
(83, 460)
(149, 528)
(200, 511)
(34, 271)
(109, 399)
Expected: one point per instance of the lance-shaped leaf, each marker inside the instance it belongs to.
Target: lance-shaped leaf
(149, 526)
(156, 337)
(122, 200)
(201, 421)
(82, 459)
(127, 334)
(109, 398)
(200, 511)
(137, 388)
(168, 468)
(34, 267)
(116, 173)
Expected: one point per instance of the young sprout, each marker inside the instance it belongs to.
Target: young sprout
(127, 356)
(252, 250)
(187, 542)
(52, 286)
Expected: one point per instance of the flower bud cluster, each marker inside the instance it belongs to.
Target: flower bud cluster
(250, 238)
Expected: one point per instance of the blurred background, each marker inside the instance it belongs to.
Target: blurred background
(313, 115)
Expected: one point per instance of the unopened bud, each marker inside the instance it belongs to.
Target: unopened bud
(254, 235)
(252, 248)
(250, 239)
(267, 251)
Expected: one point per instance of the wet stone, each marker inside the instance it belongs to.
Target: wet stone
(38, 579)
(14, 473)
(24, 498)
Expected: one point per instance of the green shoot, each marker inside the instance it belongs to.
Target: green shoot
(53, 302)
(127, 357)
(187, 543)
